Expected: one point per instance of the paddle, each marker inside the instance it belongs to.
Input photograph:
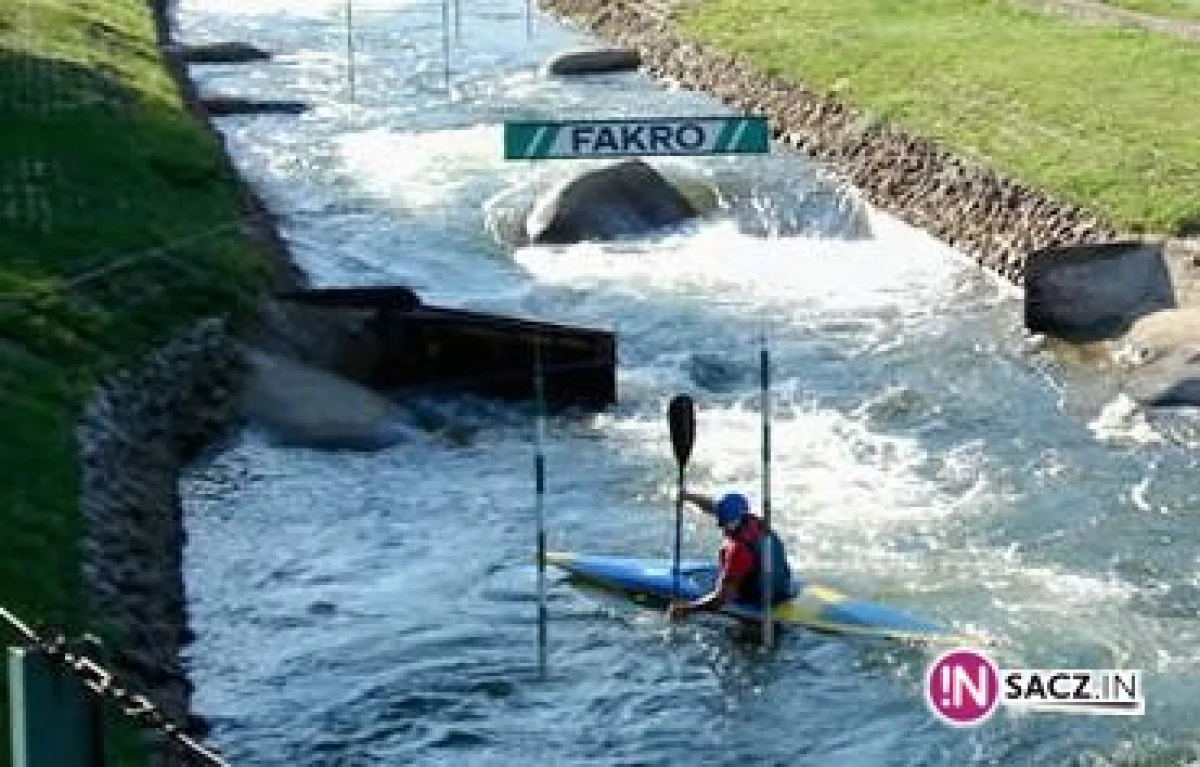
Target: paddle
(681, 416)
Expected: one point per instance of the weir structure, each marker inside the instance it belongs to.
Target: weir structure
(488, 354)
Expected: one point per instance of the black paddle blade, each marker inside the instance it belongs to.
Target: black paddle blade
(681, 415)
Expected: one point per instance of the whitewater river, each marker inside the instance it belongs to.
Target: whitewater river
(379, 608)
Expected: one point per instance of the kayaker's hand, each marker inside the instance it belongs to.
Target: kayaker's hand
(677, 610)
(702, 502)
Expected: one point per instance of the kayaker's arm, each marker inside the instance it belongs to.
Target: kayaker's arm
(704, 503)
(725, 591)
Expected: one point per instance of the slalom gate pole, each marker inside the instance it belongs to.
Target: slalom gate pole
(446, 43)
(539, 385)
(768, 596)
(350, 49)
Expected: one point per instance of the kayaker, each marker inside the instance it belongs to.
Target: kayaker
(740, 578)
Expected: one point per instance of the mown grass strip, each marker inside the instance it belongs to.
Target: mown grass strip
(1103, 117)
(99, 162)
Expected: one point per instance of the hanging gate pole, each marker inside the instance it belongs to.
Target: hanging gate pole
(350, 49)
(768, 595)
(539, 385)
(446, 43)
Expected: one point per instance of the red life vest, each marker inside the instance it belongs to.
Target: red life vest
(741, 559)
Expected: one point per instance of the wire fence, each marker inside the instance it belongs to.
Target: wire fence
(69, 660)
(110, 264)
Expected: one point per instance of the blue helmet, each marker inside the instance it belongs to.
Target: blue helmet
(731, 508)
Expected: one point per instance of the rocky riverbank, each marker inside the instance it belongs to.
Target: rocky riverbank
(984, 214)
(139, 428)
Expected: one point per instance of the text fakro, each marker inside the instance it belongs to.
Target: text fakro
(670, 138)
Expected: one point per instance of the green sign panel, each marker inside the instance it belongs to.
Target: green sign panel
(578, 139)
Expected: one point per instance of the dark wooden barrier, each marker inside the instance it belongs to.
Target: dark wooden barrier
(489, 354)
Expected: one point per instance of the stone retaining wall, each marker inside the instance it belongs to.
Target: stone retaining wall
(993, 219)
(137, 431)
(140, 428)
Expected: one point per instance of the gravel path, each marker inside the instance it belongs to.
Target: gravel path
(1096, 12)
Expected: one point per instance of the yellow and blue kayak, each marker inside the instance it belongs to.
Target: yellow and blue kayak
(650, 582)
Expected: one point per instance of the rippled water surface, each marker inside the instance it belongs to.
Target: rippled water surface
(379, 608)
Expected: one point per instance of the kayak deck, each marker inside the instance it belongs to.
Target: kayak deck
(811, 605)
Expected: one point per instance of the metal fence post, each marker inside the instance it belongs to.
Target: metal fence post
(52, 714)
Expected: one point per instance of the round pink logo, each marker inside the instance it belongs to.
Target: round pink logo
(962, 687)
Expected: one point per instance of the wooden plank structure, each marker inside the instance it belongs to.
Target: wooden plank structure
(489, 354)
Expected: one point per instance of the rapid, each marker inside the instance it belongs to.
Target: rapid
(380, 608)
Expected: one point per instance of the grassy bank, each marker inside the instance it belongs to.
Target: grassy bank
(118, 224)
(1101, 117)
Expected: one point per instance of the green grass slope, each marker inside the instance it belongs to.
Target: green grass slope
(1103, 117)
(118, 225)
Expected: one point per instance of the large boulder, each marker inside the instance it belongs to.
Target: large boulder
(624, 199)
(592, 61)
(506, 213)
(1086, 293)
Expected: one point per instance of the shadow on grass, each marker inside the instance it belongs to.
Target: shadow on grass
(120, 222)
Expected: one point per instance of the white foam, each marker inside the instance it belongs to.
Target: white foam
(1124, 420)
(829, 470)
(421, 170)
(725, 267)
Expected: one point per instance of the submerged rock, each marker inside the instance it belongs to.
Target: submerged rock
(507, 214)
(300, 405)
(715, 373)
(1163, 350)
(781, 206)
(224, 53)
(322, 607)
(218, 106)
